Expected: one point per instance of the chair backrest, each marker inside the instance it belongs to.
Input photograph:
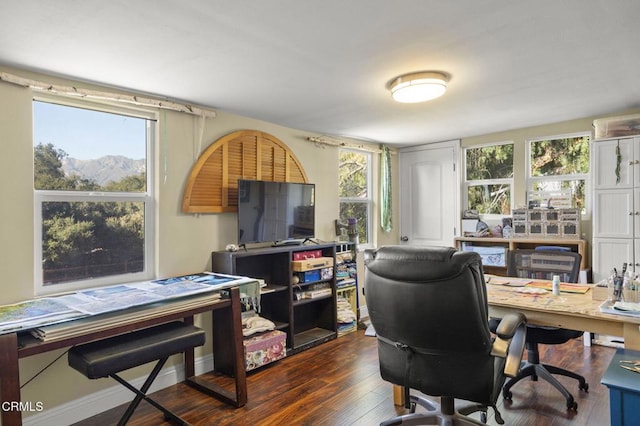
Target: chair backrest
(544, 264)
(430, 304)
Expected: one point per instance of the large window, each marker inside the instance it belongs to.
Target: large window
(93, 197)
(355, 191)
(489, 178)
(558, 164)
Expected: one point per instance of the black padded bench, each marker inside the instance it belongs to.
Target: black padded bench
(107, 357)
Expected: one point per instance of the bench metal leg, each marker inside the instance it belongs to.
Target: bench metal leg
(142, 394)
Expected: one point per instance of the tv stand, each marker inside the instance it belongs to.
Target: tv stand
(307, 321)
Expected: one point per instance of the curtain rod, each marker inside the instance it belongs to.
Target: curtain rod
(94, 94)
(345, 143)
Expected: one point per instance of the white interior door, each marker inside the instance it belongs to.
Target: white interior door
(429, 194)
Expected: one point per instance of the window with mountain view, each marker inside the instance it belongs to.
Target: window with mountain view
(93, 198)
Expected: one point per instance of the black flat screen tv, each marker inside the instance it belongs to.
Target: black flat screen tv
(275, 211)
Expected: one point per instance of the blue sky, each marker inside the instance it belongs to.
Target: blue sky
(86, 134)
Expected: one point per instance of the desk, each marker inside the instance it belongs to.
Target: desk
(227, 328)
(568, 310)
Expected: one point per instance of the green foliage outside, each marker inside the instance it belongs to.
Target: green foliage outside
(558, 157)
(352, 175)
(490, 163)
(87, 239)
(549, 158)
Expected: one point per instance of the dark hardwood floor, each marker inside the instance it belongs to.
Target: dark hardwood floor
(338, 383)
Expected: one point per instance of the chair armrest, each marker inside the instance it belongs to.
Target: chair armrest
(509, 343)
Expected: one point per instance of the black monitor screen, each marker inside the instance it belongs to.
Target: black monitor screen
(275, 211)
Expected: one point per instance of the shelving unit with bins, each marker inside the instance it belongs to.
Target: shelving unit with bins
(347, 282)
(575, 245)
(307, 322)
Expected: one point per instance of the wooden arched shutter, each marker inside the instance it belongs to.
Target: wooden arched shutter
(212, 186)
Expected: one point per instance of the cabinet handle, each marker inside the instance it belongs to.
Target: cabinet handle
(630, 213)
(631, 163)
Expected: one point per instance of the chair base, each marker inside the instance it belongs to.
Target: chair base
(545, 372)
(444, 414)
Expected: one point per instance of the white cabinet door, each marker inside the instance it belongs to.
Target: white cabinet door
(605, 161)
(613, 213)
(636, 214)
(609, 253)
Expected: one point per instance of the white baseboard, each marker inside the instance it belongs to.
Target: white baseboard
(364, 312)
(106, 399)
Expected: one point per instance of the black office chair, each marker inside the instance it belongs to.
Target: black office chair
(543, 264)
(428, 306)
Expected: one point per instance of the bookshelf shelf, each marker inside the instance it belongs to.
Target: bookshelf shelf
(307, 322)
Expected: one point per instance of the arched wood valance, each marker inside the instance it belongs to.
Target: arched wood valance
(212, 186)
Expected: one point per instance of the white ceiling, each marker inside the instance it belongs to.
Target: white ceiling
(323, 66)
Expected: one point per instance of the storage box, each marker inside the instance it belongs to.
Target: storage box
(491, 256)
(314, 263)
(613, 127)
(552, 229)
(309, 254)
(308, 276)
(535, 229)
(264, 348)
(551, 215)
(570, 228)
(520, 228)
(520, 215)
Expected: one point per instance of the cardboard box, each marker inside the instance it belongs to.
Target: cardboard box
(307, 264)
(264, 348)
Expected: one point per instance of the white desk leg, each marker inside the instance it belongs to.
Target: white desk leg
(587, 337)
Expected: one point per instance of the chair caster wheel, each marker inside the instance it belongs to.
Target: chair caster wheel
(584, 387)
(483, 417)
(412, 409)
(572, 405)
(507, 395)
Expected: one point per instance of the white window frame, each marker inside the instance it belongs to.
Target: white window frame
(467, 183)
(369, 198)
(581, 176)
(43, 196)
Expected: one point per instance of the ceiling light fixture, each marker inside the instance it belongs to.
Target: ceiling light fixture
(418, 86)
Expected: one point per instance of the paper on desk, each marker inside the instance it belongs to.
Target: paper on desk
(609, 308)
(564, 287)
(627, 307)
(508, 281)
